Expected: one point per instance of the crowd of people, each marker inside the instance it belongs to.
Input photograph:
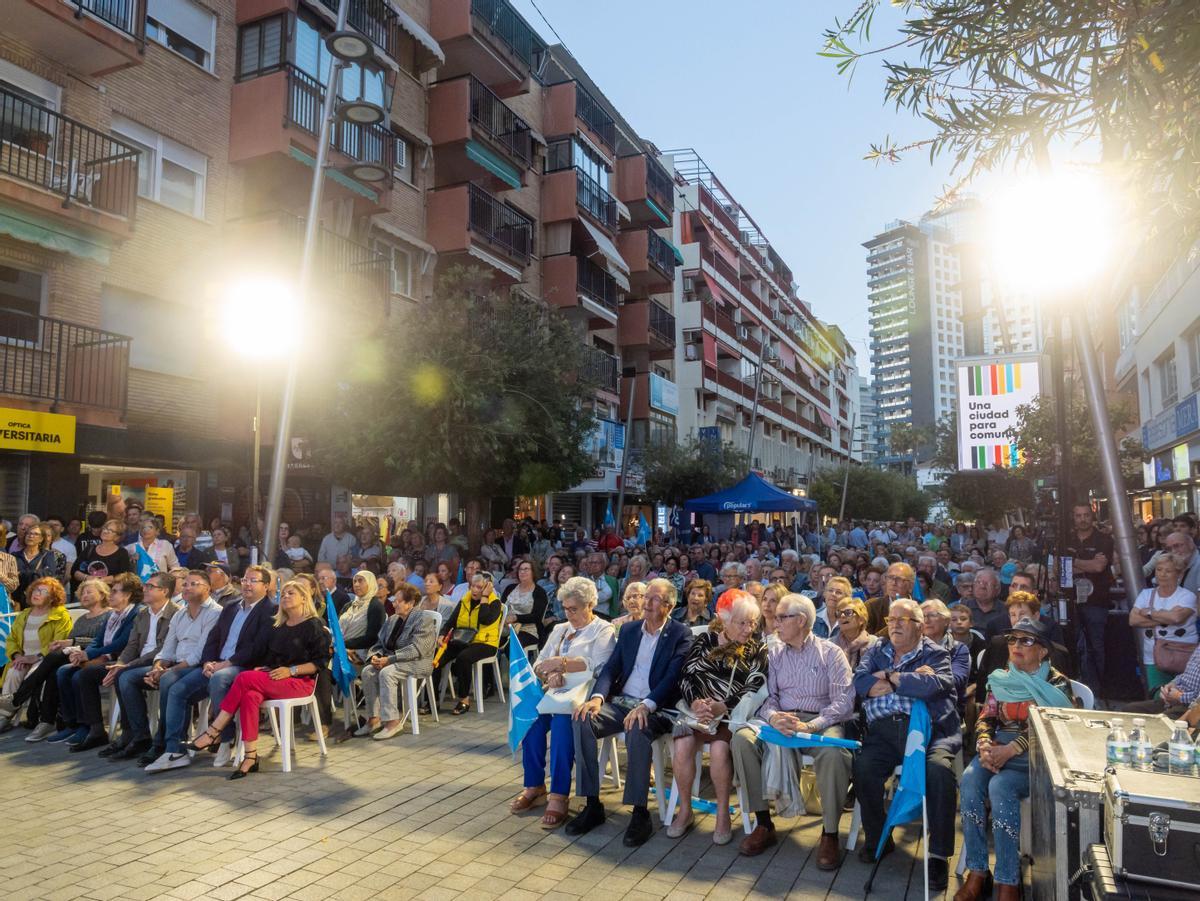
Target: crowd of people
(694, 638)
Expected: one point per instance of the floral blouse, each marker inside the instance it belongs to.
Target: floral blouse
(720, 673)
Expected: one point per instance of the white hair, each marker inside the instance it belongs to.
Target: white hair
(932, 559)
(881, 561)
(736, 568)
(580, 587)
(746, 607)
(789, 554)
(798, 602)
(910, 606)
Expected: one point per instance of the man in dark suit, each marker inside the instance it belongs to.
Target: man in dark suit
(639, 682)
(514, 545)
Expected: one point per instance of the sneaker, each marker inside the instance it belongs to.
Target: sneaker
(389, 731)
(224, 754)
(5, 723)
(152, 754)
(65, 735)
(366, 729)
(40, 732)
(7, 708)
(169, 761)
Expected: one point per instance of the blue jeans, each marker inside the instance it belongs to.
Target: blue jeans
(135, 720)
(562, 753)
(218, 686)
(1004, 790)
(177, 691)
(68, 694)
(1092, 624)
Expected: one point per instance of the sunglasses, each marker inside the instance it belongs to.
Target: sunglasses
(1023, 641)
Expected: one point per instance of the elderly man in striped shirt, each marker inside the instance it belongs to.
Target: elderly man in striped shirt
(809, 689)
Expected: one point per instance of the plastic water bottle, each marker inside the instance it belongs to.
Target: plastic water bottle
(1117, 748)
(1142, 752)
(1181, 750)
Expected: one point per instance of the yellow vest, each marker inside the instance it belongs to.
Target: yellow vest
(468, 618)
(57, 625)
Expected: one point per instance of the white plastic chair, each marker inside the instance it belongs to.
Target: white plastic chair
(477, 680)
(660, 750)
(856, 817)
(413, 688)
(673, 796)
(1086, 697)
(279, 712)
(609, 761)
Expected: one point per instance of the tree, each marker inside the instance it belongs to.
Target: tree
(1004, 81)
(870, 494)
(986, 495)
(945, 444)
(678, 472)
(480, 392)
(1035, 433)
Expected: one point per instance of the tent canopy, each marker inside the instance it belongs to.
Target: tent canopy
(752, 494)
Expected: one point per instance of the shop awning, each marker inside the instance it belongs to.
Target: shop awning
(500, 168)
(714, 288)
(433, 50)
(45, 232)
(666, 220)
(617, 267)
(675, 251)
(341, 178)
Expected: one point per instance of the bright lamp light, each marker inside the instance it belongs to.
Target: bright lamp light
(262, 312)
(1049, 234)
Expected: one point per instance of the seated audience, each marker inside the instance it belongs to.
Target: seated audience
(1020, 605)
(32, 636)
(404, 647)
(697, 609)
(469, 634)
(363, 617)
(634, 604)
(525, 601)
(937, 629)
(852, 635)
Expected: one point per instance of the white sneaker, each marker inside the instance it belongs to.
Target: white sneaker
(7, 708)
(389, 731)
(40, 732)
(169, 761)
(224, 754)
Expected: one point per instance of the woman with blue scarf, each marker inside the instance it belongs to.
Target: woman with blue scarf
(1000, 772)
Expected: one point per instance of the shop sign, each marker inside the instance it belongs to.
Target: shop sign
(664, 394)
(31, 430)
(1172, 424)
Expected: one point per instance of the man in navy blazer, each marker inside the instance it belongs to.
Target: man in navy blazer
(237, 642)
(639, 682)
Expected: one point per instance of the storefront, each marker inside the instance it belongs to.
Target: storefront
(1171, 474)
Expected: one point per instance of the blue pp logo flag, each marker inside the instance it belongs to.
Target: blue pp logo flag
(343, 670)
(146, 565)
(524, 692)
(773, 736)
(609, 521)
(643, 534)
(910, 793)
(5, 624)
(918, 593)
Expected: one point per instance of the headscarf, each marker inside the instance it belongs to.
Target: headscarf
(1013, 685)
(354, 618)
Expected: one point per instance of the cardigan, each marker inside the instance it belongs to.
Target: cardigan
(56, 626)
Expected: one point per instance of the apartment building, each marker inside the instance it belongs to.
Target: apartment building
(752, 354)
(154, 154)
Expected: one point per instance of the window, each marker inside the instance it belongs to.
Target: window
(313, 58)
(261, 47)
(168, 172)
(592, 165)
(1193, 343)
(400, 260)
(21, 295)
(1168, 378)
(184, 27)
(402, 165)
(147, 319)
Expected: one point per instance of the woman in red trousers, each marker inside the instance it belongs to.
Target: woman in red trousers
(297, 651)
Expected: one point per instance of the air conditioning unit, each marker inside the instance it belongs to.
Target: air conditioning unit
(743, 332)
(689, 284)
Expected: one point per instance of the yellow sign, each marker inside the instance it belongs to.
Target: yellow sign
(161, 501)
(30, 430)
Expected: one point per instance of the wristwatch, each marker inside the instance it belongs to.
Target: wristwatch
(292, 670)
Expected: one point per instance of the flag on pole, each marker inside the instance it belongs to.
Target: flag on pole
(146, 565)
(918, 593)
(609, 520)
(773, 736)
(343, 670)
(644, 535)
(909, 798)
(524, 692)
(5, 624)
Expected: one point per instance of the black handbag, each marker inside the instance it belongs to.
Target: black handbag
(464, 636)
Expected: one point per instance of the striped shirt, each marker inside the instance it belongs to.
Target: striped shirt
(893, 703)
(815, 678)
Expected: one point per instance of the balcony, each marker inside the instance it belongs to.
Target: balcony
(374, 20)
(466, 219)
(651, 261)
(601, 368)
(68, 171)
(490, 39)
(65, 366)
(92, 37)
(644, 186)
(653, 392)
(568, 105)
(647, 323)
(476, 136)
(571, 282)
(567, 190)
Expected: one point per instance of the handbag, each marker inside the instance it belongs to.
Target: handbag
(464, 636)
(568, 698)
(1170, 656)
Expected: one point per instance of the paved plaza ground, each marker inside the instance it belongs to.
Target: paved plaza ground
(414, 817)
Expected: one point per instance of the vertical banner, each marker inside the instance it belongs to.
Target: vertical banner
(161, 501)
(990, 389)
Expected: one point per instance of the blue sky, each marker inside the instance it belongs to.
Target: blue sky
(742, 83)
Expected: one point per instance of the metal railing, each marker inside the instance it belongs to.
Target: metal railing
(500, 123)
(595, 200)
(662, 323)
(128, 16)
(597, 285)
(58, 361)
(365, 143)
(499, 224)
(374, 20)
(67, 158)
(343, 264)
(595, 117)
(660, 254)
(659, 186)
(510, 29)
(601, 367)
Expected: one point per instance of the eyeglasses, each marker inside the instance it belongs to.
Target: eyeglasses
(1022, 640)
(787, 616)
(254, 581)
(846, 614)
(897, 620)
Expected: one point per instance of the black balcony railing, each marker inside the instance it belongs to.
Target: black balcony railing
(343, 265)
(597, 201)
(128, 16)
(659, 187)
(601, 368)
(374, 20)
(508, 27)
(500, 224)
(660, 254)
(67, 158)
(500, 123)
(62, 362)
(662, 324)
(592, 114)
(365, 143)
(597, 285)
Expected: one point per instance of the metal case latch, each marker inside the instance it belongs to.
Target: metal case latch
(1159, 826)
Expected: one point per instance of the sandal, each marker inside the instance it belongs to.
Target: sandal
(553, 817)
(524, 801)
(460, 708)
(240, 773)
(213, 735)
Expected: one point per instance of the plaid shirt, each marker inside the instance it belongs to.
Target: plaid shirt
(892, 703)
(1188, 682)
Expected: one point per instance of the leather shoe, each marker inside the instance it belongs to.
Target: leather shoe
(586, 820)
(639, 831)
(828, 853)
(939, 874)
(94, 740)
(977, 886)
(133, 750)
(113, 749)
(866, 852)
(1004, 892)
(758, 841)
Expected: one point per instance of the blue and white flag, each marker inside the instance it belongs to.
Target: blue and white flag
(5, 624)
(910, 793)
(644, 535)
(609, 521)
(524, 692)
(343, 670)
(918, 592)
(773, 736)
(146, 567)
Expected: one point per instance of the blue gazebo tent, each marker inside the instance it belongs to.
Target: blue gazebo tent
(753, 494)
